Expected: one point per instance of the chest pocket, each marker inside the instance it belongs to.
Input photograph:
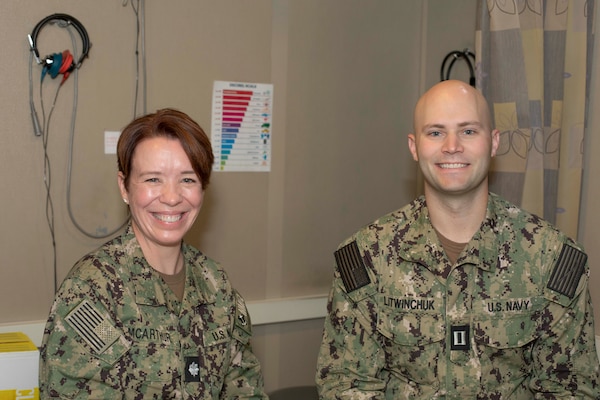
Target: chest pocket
(214, 353)
(410, 321)
(155, 353)
(509, 323)
(505, 341)
(214, 358)
(411, 329)
(506, 332)
(154, 356)
(412, 343)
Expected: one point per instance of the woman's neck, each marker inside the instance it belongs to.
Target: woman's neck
(165, 259)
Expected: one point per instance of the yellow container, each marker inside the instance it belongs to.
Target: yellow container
(19, 364)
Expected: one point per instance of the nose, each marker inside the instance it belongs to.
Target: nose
(171, 194)
(452, 144)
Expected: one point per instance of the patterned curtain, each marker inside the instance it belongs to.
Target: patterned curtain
(533, 66)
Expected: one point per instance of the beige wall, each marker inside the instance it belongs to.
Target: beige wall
(344, 77)
(346, 74)
(344, 82)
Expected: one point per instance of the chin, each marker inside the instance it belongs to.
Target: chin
(170, 243)
(170, 239)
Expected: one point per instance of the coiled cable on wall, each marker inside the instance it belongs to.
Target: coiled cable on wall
(70, 169)
(466, 55)
(139, 13)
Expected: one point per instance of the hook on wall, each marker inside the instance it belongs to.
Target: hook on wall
(466, 55)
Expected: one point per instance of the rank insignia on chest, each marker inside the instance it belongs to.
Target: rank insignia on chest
(459, 337)
(192, 369)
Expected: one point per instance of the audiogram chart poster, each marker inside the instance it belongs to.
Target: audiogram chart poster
(241, 126)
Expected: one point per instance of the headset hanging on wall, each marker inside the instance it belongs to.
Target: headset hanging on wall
(59, 63)
(56, 63)
(465, 55)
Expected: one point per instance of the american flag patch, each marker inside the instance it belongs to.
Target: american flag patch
(351, 267)
(567, 271)
(97, 331)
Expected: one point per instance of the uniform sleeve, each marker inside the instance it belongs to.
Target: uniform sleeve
(350, 358)
(565, 357)
(68, 369)
(244, 378)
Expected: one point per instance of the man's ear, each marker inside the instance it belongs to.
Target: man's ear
(412, 146)
(495, 141)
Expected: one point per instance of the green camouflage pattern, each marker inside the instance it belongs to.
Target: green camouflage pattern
(116, 331)
(515, 337)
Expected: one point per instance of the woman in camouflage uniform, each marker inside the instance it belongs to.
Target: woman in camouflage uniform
(147, 316)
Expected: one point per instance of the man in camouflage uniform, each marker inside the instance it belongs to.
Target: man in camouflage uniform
(116, 331)
(458, 295)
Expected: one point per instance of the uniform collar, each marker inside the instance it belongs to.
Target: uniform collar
(150, 289)
(420, 243)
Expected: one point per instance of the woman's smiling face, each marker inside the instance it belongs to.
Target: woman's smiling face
(163, 192)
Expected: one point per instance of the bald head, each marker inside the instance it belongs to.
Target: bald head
(447, 95)
(453, 141)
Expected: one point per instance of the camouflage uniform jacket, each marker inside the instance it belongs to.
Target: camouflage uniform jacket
(116, 331)
(512, 319)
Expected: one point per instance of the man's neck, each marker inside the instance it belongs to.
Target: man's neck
(457, 217)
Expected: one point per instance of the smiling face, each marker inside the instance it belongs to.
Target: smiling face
(163, 192)
(453, 141)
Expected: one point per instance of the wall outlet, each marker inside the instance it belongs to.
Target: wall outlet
(110, 141)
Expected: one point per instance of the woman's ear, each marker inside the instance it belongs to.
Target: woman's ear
(122, 188)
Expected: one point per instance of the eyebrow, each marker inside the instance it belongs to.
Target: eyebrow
(189, 172)
(460, 125)
(470, 123)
